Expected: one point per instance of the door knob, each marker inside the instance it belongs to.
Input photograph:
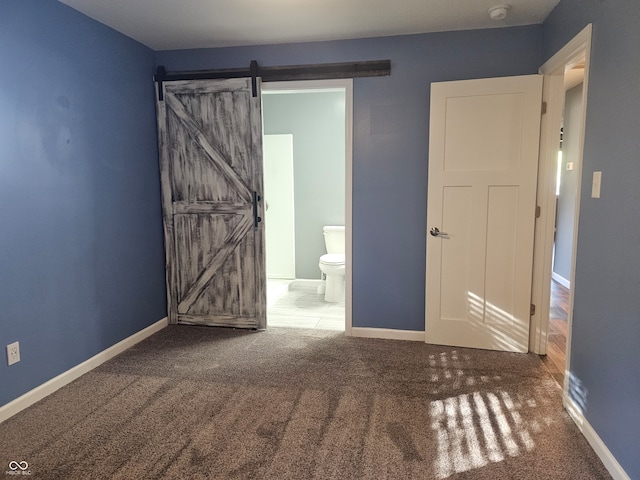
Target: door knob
(435, 231)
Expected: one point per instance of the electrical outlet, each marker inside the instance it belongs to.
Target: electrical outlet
(13, 353)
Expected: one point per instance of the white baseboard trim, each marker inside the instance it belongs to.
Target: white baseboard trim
(388, 334)
(607, 458)
(561, 280)
(304, 284)
(10, 409)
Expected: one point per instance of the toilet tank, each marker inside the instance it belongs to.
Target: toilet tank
(334, 238)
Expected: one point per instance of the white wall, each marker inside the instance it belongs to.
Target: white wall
(279, 205)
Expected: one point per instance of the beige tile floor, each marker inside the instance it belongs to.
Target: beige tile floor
(296, 304)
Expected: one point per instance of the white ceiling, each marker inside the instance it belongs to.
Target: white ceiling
(178, 24)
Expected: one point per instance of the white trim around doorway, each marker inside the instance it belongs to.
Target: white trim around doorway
(577, 49)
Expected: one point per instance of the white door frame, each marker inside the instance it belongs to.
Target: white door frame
(553, 94)
(345, 84)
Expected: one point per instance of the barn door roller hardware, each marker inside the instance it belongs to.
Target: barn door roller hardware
(319, 71)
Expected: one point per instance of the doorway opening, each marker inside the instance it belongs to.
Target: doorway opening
(307, 172)
(567, 187)
(559, 190)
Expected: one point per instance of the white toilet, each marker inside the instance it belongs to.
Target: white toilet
(332, 263)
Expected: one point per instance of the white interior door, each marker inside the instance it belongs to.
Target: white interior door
(483, 158)
(279, 215)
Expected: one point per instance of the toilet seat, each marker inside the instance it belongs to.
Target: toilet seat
(332, 259)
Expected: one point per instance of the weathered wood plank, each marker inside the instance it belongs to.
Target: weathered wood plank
(198, 238)
(229, 244)
(193, 129)
(259, 273)
(211, 207)
(167, 213)
(234, 321)
(202, 88)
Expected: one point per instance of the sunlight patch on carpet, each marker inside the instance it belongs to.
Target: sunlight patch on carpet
(473, 430)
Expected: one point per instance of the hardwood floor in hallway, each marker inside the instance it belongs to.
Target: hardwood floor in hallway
(557, 336)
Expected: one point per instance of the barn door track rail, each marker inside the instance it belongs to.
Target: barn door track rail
(319, 71)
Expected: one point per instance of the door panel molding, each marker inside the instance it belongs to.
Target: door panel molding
(479, 272)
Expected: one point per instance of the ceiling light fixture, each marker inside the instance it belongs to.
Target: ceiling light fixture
(499, 12)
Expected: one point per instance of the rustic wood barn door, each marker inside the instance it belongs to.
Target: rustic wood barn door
(210, 140)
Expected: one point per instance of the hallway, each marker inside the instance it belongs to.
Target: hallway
(556, 347)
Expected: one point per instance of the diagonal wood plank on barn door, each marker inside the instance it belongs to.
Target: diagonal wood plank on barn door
(195, 132)
(211, 164)
(228, 245)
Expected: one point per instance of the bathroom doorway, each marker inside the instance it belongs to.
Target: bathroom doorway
(307, 175)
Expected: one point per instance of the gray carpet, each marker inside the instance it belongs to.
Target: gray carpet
(197, 402)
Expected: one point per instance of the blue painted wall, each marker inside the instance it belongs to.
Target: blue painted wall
(605, 353)
(390, 145)
(81, 250)
(80, 230)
